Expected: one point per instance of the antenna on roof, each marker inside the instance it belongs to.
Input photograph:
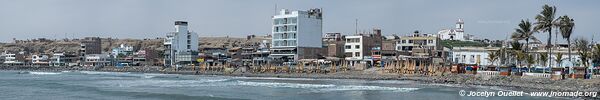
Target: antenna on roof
(275, 8)
(356, 26)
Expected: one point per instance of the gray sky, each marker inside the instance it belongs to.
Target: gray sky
(493, 19)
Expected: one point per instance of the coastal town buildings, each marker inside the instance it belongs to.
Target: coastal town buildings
(98, 60)
(181, 46)
(419, 44)
(145, 57)
(297, 35)
(122, 50)
(358, 48)
(387, 51)
(335, 44)
(40, 59)
(13, 58)
(472, 55)
(89, 45)
(261, 56)
(63, 59)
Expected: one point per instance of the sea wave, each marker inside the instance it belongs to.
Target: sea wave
(43, 73)
(447, 85)
(105, 73)
(368, 88)
(286, 85)
(161, 83)
(326, 87)
(275, 78)
(391, 81)
(150, 75)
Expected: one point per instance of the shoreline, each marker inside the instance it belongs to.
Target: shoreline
(467, 80)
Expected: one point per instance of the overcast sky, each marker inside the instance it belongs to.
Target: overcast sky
(493, 19)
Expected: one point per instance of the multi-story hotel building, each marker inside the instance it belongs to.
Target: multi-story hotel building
(296, 35)
(181, 45)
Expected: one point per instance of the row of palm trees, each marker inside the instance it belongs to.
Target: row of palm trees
(546, 20)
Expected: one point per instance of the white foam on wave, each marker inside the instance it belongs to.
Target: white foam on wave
(286, 85)
(150, 75)
(275, 78)
(161, 83)
(119, 74)
(391, 81)
(326, 87)
(447, 85)
(107, 73)
(368, 88)
(43, 73)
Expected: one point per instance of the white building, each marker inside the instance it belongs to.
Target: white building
(354, 48)
(419, 44)
(296, 35)
(13, 59)
(40, 59)
(458, 33)
(181, 45)
(97, 60)
(122, 50)
(62, 59)
(473, 55)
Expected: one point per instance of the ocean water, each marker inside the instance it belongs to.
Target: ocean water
(90, 85)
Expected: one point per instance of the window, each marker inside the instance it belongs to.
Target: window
(348, 47)
(357, 46)
(292, 20)
(410, 41)
(430, 41)
(356, 54)
(292, 42)
(403, 41)
(189, 47)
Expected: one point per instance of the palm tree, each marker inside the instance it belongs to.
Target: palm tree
(566, 26)
(596, 54)
(520, 57)
(524, 32)
(492, 57)
(583, 50)
(543, 59)
(559, 58)
(545, 22)
(530, 60)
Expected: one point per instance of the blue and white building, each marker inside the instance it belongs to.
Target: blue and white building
(181, 45)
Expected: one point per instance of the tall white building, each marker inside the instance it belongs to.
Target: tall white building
(296, 35)
(458, 33)
(181, 45)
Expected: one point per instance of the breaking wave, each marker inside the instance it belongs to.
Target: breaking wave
(43, 73)
(286, 85)
(368, 88)
(326, 87)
